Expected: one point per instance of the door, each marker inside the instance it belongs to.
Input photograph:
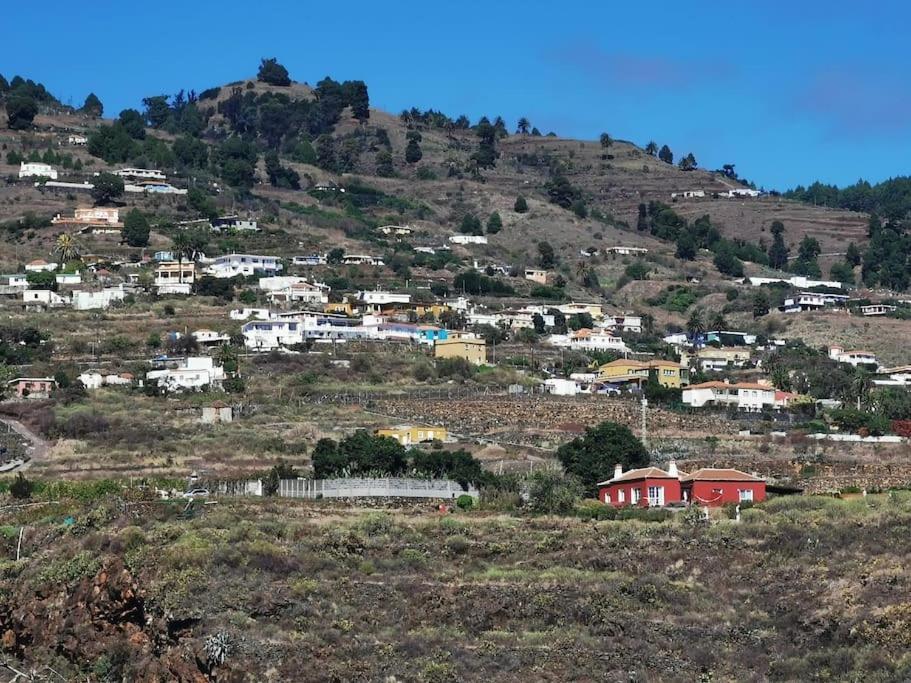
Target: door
(656, 496)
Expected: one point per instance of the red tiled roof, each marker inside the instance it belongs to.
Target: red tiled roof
(713, 474)
(641, 473)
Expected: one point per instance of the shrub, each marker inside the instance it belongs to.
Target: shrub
(553, 493)
(465, 502)
(21, 488)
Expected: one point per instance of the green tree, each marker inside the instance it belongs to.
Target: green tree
(852, 255)
(606, 140)
(666, 155)
(471, 225)
(651, 148)
(325, 153)
(592, 457)
(494, 223)
(688, 163)
(157, 110)
(521, 206)
(413, 152)
(273, 73)
(727, 263)
(21, 111)
(551, 493)
(561, 192)
(695, 324)
(191, 152)
(637, 270)
(486, 155)
(356, 96)
(546, 256)
(686, 246)
(136, 229)
(43, 279)
(107, 188)
(132, 122)
(580, 209)
(842, 271)
(523, 126)
(760, 303)
(778, 251)
(92, 106)
(642, 221)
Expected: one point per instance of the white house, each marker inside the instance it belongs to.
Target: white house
(622, 322)
(153, 187)
(309, 260)
(193, 373)
(211, 337)
(68, 278)
(300, 292)
(40, 265)
(38, 299)
(798, 281)
(234, 223)
(19, 280)
(93, 379)
(361, 260)
(374, 301)
(232, 265)
(855, 357)
(32, 169)
(898, 377)
(174, 277)
(78, 140)
(688, 194)
(141, 173)
(468, 239)
(740, 192)
(811, 301)
(626, 251)
(247, 313)
(746, 396)
(397, 230)
(85, 301)
(877, 309)
(596, 340)
(561, 387)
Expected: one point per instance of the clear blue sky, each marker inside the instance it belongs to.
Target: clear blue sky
(789, 91)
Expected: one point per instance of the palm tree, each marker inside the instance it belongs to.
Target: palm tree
(66, 248)
(695, 326)
(181, 244)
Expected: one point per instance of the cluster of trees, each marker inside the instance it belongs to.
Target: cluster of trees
(472, 225)
(21, 98)
(890, 198)
(23, 345)
(887, 257)
(365, 454)
(473, 282)
(664, 223)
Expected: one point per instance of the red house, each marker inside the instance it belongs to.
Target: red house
(646, 487)
(713, 487)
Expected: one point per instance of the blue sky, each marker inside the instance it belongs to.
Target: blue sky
(788, 91)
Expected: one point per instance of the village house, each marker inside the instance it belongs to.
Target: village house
(232, 265)
(39, 265)
(68, 278)
(877, 309)
(626, 251)
(94, 379)
(14, 281)
(300, 292)
(746, 396)
(590, 340)
(472, 350)
(627, 371)
(96, 220)
(395, 230)
(234, 223)
(41, 299)
(37, 170)
(77, 140)
(379, 301)
(174, 277)
(854, 357)
(191, 373)
(468, 239)
(536, 275)
(152, 187)
(557, 386)
(688, 194)
(573, 308)
(32, 387)
(309, 260)
(796, 281)
(893, 377)
(85, 300)
(206, 337)
(140, 174)
(247, 313)
(217, 413)
(654, 487)
(622, 323)
(361, 260)
(408, 435)
(715, 359)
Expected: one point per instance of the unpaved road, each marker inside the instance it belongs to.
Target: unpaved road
(38, 448)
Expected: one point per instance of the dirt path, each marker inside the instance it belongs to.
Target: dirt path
(37, 450)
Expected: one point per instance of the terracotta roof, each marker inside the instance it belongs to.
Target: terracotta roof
(38, 262)
(858, 352)
(715, 384)
(219, 404)
(620, 362)
(663, 364)
(712, 474)
(641, 473)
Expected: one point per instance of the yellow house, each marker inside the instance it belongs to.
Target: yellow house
(435, 309)
(342, 307)
(472, 350)
(408, 435)
(668, 373)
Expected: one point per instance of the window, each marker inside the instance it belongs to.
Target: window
(746, 495)
(621, 496)
(607, 498)
(637, 495)
(655, 496)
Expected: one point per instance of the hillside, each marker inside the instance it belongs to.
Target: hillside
(436, 193)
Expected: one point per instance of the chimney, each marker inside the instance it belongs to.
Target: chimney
(672, 469)
(618, 470)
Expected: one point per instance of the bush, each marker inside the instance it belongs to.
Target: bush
(21, 488)
(465, 502)
(553, 493)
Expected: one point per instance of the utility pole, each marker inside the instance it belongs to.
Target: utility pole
(643, 427)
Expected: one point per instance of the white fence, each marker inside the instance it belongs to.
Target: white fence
(373, 488)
